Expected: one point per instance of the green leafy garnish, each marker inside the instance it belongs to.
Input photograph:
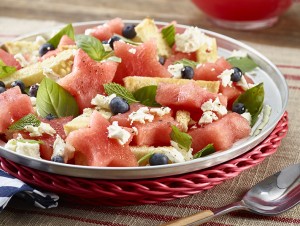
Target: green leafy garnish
(93, 47)
(67, 30)
(183, 140)
(187, 62)
(145, 157)
(54, 99)
(28, 120)
(146, 95)
(207, 150)
(129, 41)
(121, 91)
(30, 141)
(244, 63)
(6, 70)
(168, 34)
(253, 100)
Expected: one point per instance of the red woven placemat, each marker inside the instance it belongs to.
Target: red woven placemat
(133, 192)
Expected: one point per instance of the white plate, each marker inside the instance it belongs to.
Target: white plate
(276, 95)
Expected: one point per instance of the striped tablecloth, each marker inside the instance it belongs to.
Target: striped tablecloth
(287, 60)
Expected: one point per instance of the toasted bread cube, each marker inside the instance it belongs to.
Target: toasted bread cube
(183, 118)
(133, 83)
(207, 52)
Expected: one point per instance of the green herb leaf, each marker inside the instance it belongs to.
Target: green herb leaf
(207, 150)
(6, 70)
(30, 141)
(244, 63)
(168, 34)
(28, 120)
(145, 157)
(54, 99)
(67, 30)
(253, 100)
(146, 95)
(129, 41)
(183, 140)
(114, 58)
(92, 46)
(187, 62)
(120, 91)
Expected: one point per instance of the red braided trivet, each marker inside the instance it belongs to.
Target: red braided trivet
(133, 192)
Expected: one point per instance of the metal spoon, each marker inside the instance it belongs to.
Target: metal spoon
(271, 196)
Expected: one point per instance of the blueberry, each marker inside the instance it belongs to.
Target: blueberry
(58, 158)
(2, 89)
(33, 90)
(129, 31)
(236, 75)
(112, 40)
(161, 60)
(45, 48)
(187, 72)
(50, 117)
(2, 84)
(20, 84)
(158, 159)
(238, 108)
(118, 105)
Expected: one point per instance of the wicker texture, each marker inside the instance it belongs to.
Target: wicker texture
(133, 192)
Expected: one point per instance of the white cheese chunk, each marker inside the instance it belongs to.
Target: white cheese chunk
(36, 131)
(40, 40)
(60, 148)
(160, 111)
(175, 70)
(207, 117)
(24, 148)
(215, 106)
(239, 53)
(225, 77)
(118, 133)
(247, 116)
(89, 31)
(49, 73)
(33, 101)
(21, 59)
(132, 50)
(141, 115)
(187, 155)
(244, 84)
(103, 101)
(107, 47)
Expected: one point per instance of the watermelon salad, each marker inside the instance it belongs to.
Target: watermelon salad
(126, 95)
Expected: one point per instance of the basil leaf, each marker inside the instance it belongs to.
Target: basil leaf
(67, 30)
(128, 40)
(146, 95)
(207, 150)
(92, 46)
(183, 140)
(168, 34)
(6, 70)
(253, 100)
(30, 141)
(54, 99)
(244, 63)
(121, 91)
(27, 120)
(187, 62)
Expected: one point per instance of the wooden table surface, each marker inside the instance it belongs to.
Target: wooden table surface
(285, 33)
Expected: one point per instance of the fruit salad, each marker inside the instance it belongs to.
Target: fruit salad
(125, 95)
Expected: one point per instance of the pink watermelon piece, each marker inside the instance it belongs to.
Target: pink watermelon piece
(179, 56)
(142, 62)
(105, 31)
(9, 60)
(184, 97)
(210, 71)
(99, 150)
(231, 93)
(221, 133)
(87, 78)
(14, 105)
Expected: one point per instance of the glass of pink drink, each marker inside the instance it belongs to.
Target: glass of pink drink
(243, 14)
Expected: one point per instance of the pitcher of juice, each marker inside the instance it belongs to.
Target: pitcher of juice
(243, 14)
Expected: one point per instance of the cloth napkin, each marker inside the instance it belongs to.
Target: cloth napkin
(10, 186)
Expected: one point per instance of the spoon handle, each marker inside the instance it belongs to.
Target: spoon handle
(206, 215)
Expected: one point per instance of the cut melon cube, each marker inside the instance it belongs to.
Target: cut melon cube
(61, 65)
(147, 30)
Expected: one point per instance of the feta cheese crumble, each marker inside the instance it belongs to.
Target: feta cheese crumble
(208, 117)
(118, 133)
(89, 31)
(60, 148)
(33, 101)
(225, 76)
(36, 131)
(244, 84)
(247, 116)
(107, 47)
(238, 53)
(141, 115)
(160, 111)
(215, 106)
(49, 73)
(187, 155)
(21, 59)
(175, 70)
(103, 101)
(132, 50)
